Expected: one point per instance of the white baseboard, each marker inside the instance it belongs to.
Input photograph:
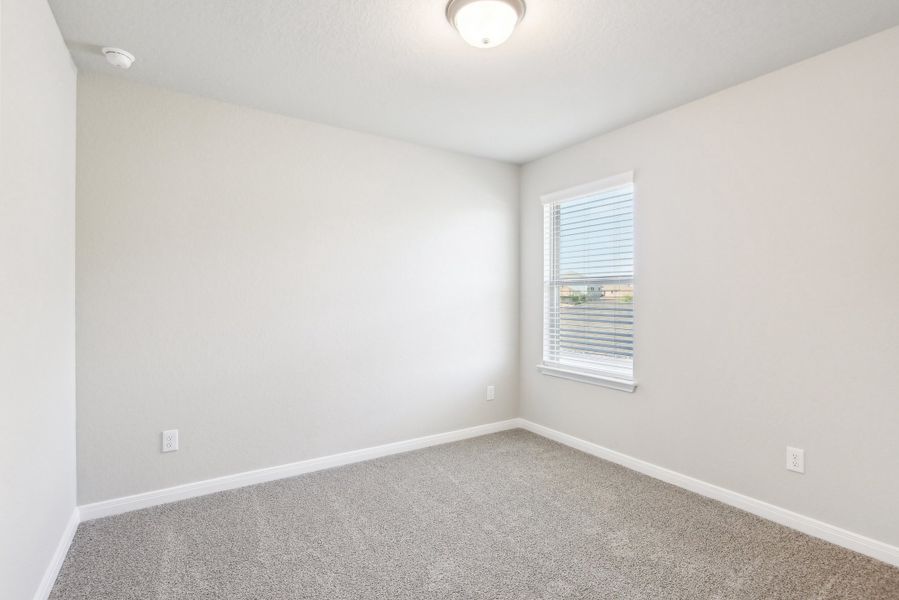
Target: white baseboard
(209, 486)
(59, 555)
(830, 533)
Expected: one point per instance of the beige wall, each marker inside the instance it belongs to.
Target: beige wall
(37, 293)
(767, 228)
(277, 289)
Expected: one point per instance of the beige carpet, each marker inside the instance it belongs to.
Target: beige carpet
(506, 516)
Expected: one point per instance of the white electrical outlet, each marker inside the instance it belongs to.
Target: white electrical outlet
(170, 440)
(491, 392)
(795, 459)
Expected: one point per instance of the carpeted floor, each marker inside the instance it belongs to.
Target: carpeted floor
(506, 516)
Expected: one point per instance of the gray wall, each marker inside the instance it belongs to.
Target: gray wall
(278, 290)
(37, 293)
(767, 228)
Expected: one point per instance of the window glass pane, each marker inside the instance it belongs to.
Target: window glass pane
(596, 237)
(596, 320)
(588, 282)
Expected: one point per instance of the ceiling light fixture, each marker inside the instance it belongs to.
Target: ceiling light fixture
(118, 57)
(485, 23)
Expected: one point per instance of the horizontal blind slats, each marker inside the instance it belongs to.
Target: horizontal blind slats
(588, 281)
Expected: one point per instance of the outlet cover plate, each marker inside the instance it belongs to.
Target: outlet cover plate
(795, 459)
(170, 440)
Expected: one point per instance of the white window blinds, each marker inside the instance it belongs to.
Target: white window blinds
(588, 281)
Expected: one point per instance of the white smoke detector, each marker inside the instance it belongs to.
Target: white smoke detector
(118, 57)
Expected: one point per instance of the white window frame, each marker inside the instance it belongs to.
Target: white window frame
(611, 375)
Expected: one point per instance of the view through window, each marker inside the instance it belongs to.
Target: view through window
(589, 280)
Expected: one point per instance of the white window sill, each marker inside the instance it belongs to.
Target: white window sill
(599, 379)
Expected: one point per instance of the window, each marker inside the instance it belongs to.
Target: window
(588, 283)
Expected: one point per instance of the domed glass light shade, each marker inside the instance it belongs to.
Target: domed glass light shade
(485, 23)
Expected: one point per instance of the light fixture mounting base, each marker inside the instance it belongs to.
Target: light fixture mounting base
(453, 7)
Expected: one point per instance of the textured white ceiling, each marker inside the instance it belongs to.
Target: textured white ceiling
(574, 68)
